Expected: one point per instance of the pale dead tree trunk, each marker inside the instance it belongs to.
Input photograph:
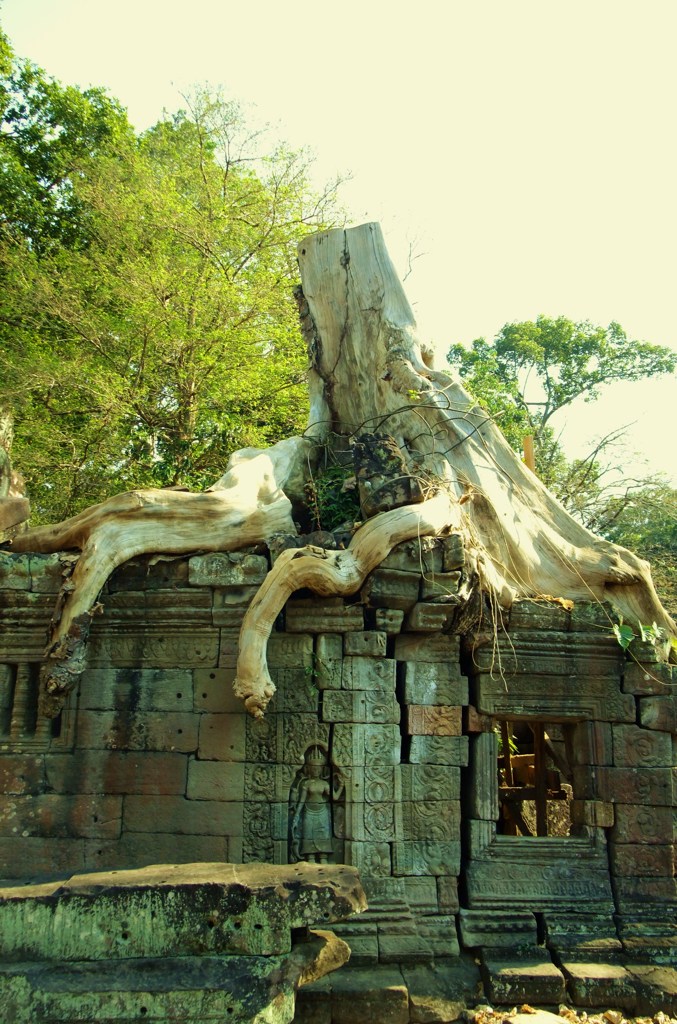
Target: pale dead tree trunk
(369, 373)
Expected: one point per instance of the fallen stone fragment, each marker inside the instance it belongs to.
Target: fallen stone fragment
(199, 941)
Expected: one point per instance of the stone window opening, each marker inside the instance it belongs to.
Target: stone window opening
(534, 779)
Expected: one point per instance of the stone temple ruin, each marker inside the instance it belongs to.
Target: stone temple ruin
(502, 775)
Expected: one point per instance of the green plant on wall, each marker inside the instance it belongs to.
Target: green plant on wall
(332, 498)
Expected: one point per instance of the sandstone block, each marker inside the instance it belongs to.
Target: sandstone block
(509, 930)
(222, 737)
(370, 859)
(155, 647)
(434, 683)
(156, 730)
(150, 574)
(593, 744)
(656, 678)
(366, 744)
(659, 713)
(439, 585)
(213, 691)
(635, 747)
(329, 660)
(366, 644)
(360, 706)
(389, 620)
(371, 823)
(227, 569)
(216, 780)
(230, 604)
(476, 722)
(435, 820)
(297, 691)
(429, 782)
(516, 980)
(47, 572)
(422, 555)
(379, 998)
(482, 794)
(368, 674)
(421, 893)
(553, 697)
(22, 857)
(453, 552)
(422, 720)
(426, 857)
(642, 860)
(229, 646)
(135, 848)
(323, 617)
(61, 816)
(547, 615)
(289, 651)
(294, 734)
(599, 984)
(661, 890)
(21, 774)
(183, 817)
(594, 813)
(441, 649)
(14, 571)
(654, 786)
(136, 689)
(642, 824)
(592, 617)
(391, 588)
(447, 893)
(268, 782)
(431, 618)
(374, 784)
(452, 750)
(115, 772)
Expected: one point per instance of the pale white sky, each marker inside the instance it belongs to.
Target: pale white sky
(525, 149)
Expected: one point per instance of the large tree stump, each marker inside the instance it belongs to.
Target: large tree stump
(369, 373)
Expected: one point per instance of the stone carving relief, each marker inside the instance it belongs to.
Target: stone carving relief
(316, 808)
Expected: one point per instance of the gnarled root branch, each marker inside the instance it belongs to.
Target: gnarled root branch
(327, 573)
(247, 506)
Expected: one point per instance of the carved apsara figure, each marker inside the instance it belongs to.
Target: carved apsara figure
(310, 805)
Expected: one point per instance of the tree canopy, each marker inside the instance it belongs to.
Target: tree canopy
(147, 326)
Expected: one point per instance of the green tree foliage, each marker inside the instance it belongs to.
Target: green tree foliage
(148, 323)
(533, 369)
(647, 524)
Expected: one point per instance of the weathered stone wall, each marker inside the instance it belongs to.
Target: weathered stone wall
(155, 761)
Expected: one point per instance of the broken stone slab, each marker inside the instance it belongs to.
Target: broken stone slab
(192, 989)
(656, 987)
(441, 993)
(422, 554)
(391, 588)
(174, 910)
(599, 984)
(432, 618)
(378, 996)
(529, 980)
